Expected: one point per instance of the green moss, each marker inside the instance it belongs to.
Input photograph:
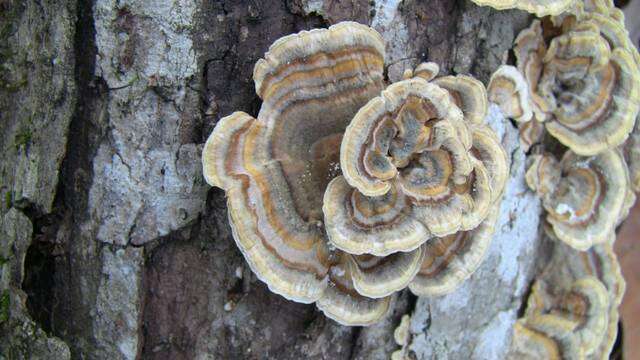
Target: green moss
(8, 199)
(4, 306)
(13, 87)
(23, 138)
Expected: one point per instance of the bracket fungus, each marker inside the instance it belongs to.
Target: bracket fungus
(509, 90)
(538, 7)
(583, 79)
(420, 169)
(417, 160)
(572, 310)
(584, 196)
(274, 168)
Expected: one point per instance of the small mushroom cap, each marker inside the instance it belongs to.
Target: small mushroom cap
(539, 7)
(378, 277)
(585, 205)
(401, 333)
(452, 259)
(531, 133)
(378, 225)
(427, 70)
(509, 90)
(584, 288)
(543, 174)
(289, 56)
(275, 168)
(487, 148)
(586, 302)
(530, 344)
(342, 303)
(529, 48)
(546, 336)
(352, 309)
(468, 94)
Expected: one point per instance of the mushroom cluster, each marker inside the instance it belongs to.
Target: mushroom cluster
(581, 73)
(578, 80)
(342, 192)
(572, 311)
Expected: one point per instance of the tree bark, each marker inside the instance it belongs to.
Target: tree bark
(112, 244)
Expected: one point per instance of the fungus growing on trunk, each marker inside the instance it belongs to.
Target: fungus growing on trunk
(432, 169)
(584, 196)
(274, 168)
(584, 82)
(572, 311)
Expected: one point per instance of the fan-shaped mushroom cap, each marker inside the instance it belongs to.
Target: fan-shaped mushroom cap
(546, 336)
(487, 148)
(586, 302)
(468, 94)
(584, 204)
(509, 90)
(426, 70)
(341, 302)
(539, 7)
(583, 288)
(450, 260)
(378, 225)
(529, 49)
(377, 277)
(275, 168)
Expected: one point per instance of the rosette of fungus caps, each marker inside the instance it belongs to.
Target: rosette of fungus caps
(572, 311)
(275, 168)
(418, 170)
(538, 7)
(583, 83)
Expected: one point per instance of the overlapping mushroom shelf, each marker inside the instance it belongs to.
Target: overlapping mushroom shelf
(342, 192)
(583, 77)
(577, 80)
(572, 311)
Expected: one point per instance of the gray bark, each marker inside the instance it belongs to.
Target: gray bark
(112, 245)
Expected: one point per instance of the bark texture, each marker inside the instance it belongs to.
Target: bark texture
(112, 245)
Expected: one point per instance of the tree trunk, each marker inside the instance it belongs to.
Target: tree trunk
(112, 245)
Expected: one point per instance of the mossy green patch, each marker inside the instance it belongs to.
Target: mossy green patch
(8, 199)
(4, 306)
(23, 138)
